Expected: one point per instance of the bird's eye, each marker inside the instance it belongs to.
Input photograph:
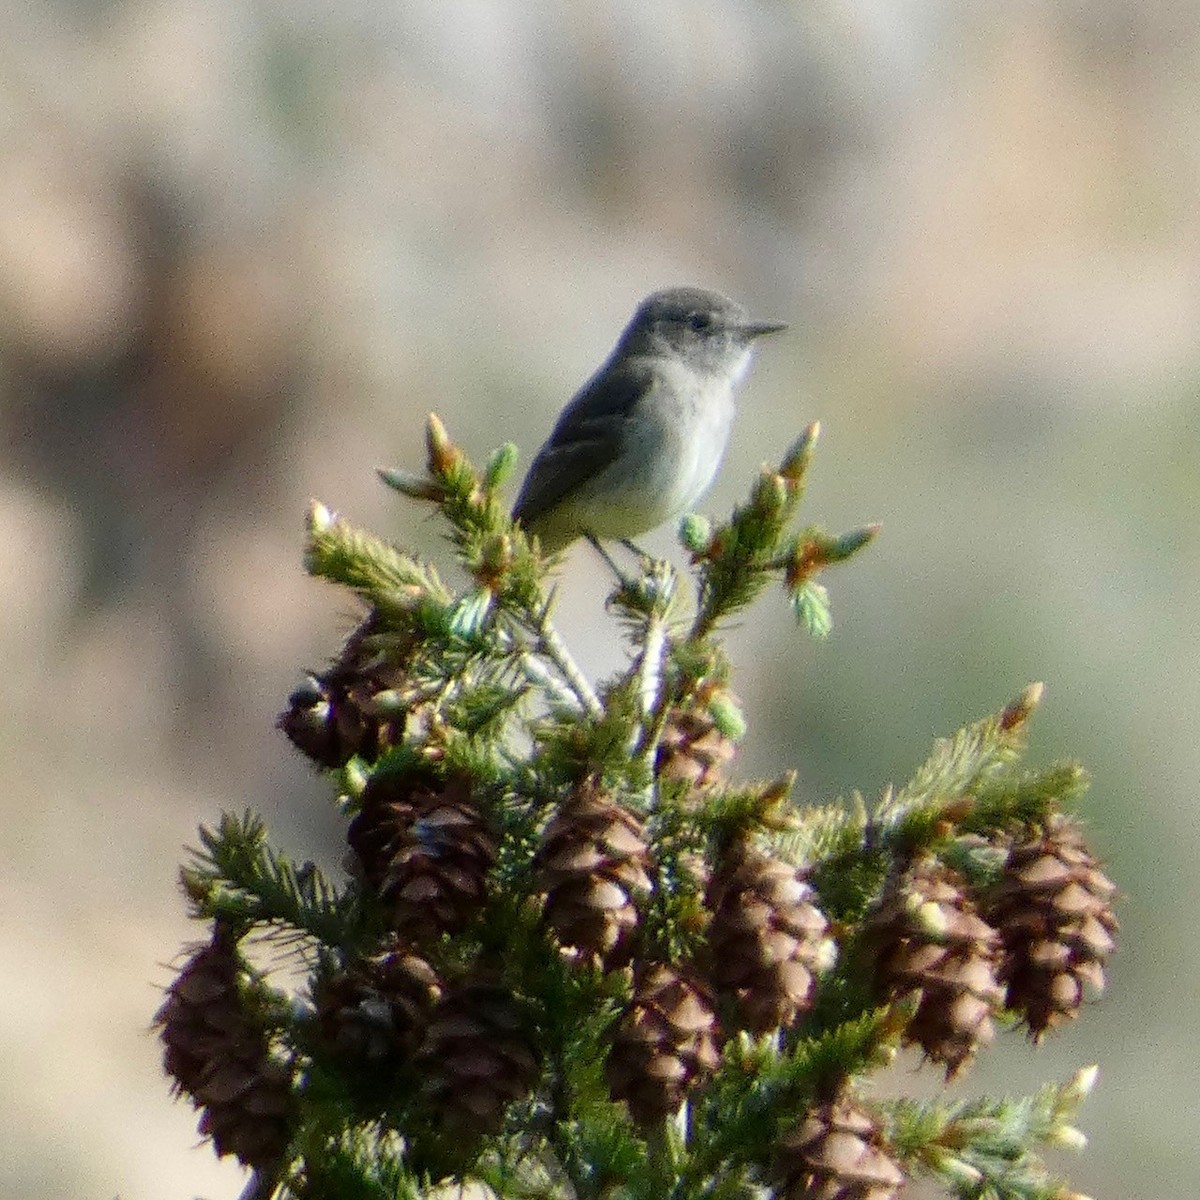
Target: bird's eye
(699, 321)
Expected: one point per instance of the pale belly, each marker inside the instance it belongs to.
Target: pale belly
(662, 471)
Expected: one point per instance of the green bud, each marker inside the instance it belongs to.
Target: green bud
(495, 555)
(727, 716)
(796, 460)
(770, 493)
(841, 548)
(444, 455)
(1083, 1081)
(500, 466)
(320, 517)
(695, 532)
(1068, 1137)
(417, 487)
(810, 603)
(955, 1170)
(1021, 709)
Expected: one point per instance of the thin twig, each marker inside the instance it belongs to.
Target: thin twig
(650, 667)
(652, 727)
(539, 674)
(553, 647)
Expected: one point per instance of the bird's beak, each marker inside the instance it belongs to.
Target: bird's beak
(756, 329)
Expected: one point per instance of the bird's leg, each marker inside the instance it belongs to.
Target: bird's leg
(634, 548)
(594, 541)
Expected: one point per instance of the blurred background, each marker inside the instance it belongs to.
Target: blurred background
(245, 248)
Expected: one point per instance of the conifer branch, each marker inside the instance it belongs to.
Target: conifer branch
(984, 1147)
(552, 646)
(572, 961)
(238, 877)
(389, 578)
(557, 691)
(973, 756)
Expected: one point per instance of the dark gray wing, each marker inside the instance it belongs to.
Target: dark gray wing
(586, 439)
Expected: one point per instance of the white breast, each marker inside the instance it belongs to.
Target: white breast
(671, 453)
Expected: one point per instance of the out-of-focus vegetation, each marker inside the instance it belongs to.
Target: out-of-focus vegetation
(243, 251)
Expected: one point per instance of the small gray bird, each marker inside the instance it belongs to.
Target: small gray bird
(641, 441)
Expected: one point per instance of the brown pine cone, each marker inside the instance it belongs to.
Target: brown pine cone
(478, 1057)
(767, 940)
(342, 712)
(218, 1055)
(375, 1012)
(425, 848)
(664, 1044)
(693, 746)
(1053, 910)
(592, 864)
(929, 938)
(836, 1153)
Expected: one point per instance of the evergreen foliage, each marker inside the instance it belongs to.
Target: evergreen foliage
(571, 959)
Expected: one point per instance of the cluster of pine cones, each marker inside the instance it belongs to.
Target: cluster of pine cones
(426, 850)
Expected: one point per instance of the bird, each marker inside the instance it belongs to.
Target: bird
(641, 442)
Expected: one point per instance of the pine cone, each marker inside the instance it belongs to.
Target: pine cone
(426, 849)
(930, 938)
(375, 1012)
(218, 1055)
(767, 941)
(592, 865)
(1054, 915)
(478, 1057)
(664, 1044)
(836, 1153)
(333, 716)
(693, 746)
